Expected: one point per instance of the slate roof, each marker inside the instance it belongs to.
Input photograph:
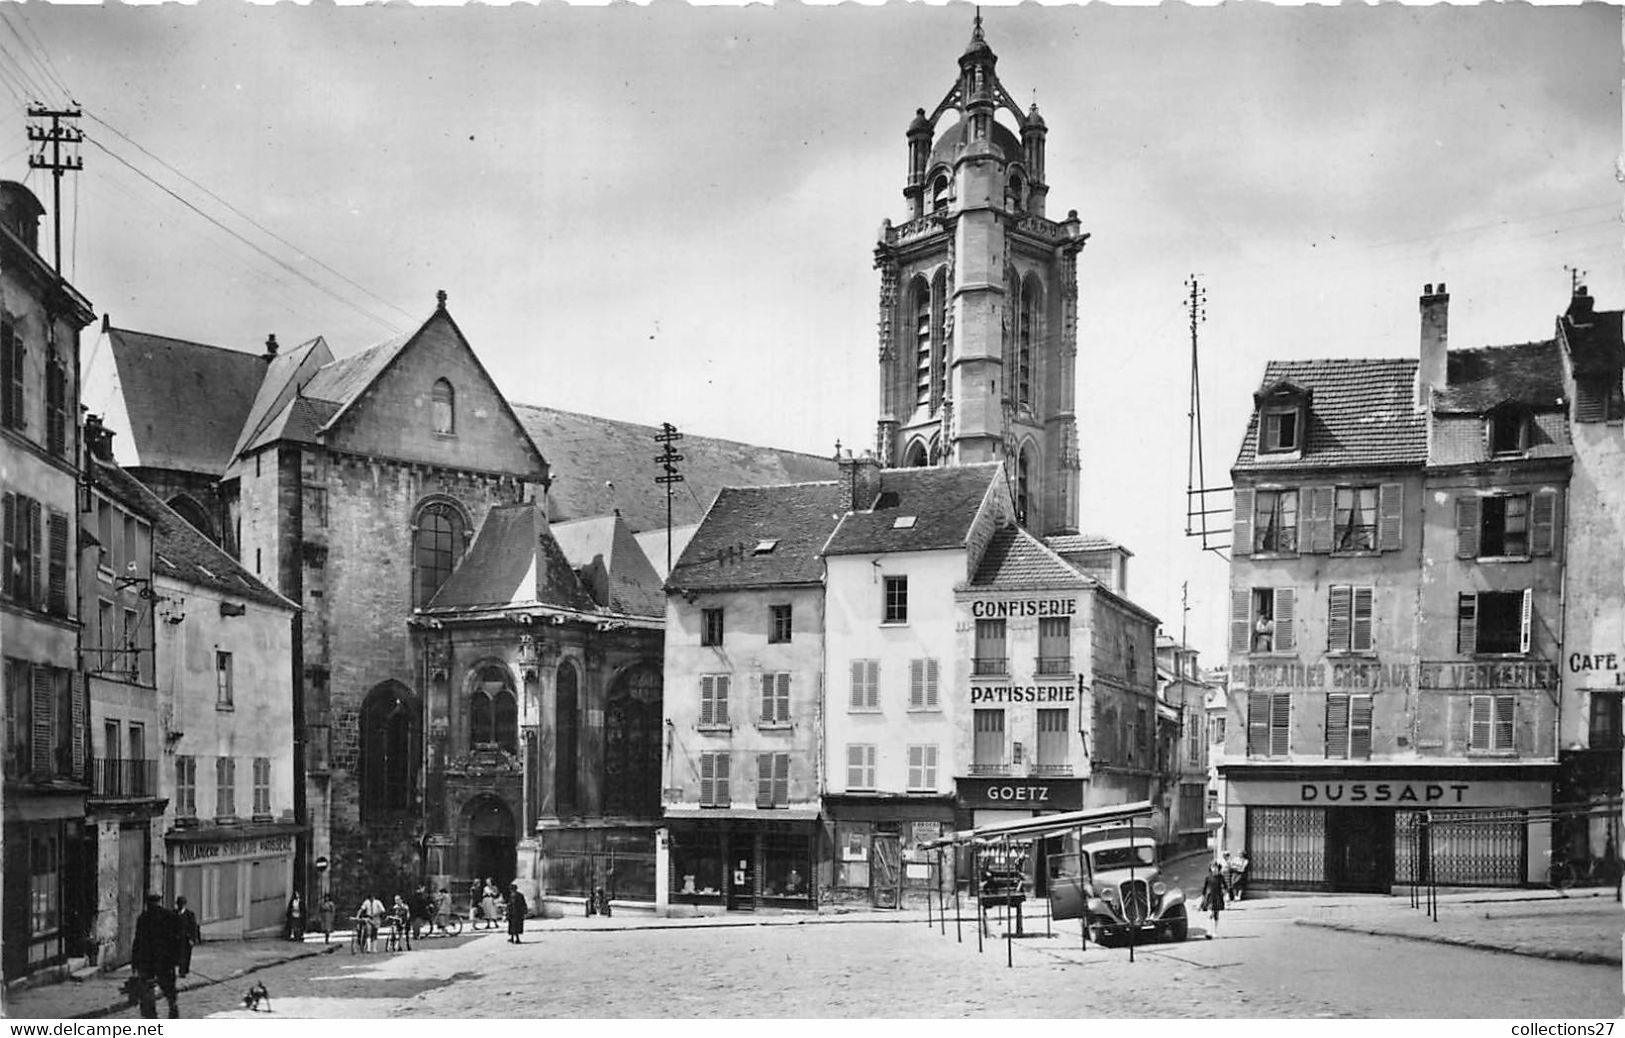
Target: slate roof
(278, 388)
(1015, 560)
(584, 452)
(612, 564)
(340, 381)
(1529, 373)
(1363, 414)
(186, 401)
(514, 561)
(943, 501)
(722, 553)
(180, 551)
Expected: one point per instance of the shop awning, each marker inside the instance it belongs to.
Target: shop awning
(1048, 825)
(750, 814)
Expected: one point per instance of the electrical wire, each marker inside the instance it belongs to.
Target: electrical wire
(39, 48)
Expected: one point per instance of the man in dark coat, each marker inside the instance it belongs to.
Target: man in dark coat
(156, 951)
(190, 934)
(516, 913)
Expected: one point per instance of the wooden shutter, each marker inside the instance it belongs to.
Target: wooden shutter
(1285, 639)
(8, 558)
(931, 698)
(1280, 723)
(1526, 620)
(58, 585)
(1390, 516)
(1337, 725)
(871, 684)
(1258, 724)
(854, 766)
(764, 780)
(1467, 512)
(719, 780)
(1338, 608)
(1360, 726)
(1480, 724)
(856, 700)
(916, 684)
(1502, 736)
(1543, 523)
(42, 748)
(781, 778)
(1241, 628)
(1322, 501)
(708, 778)
(35, 556)
(1361, 634)
(1467, 622)
(1241, 530)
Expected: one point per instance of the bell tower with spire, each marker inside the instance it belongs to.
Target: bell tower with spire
(978, 300)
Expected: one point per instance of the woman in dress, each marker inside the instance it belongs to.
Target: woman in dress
(488, 903)
(1213, 896)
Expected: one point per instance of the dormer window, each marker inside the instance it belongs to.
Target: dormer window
(1507, 430)
(1283, 414)
(1280, 431)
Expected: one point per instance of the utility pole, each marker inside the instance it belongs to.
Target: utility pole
(56, 136)
(667, 459)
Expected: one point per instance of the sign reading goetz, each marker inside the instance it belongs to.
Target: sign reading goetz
(1018, 794)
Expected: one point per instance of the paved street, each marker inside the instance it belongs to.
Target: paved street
(1262, 965)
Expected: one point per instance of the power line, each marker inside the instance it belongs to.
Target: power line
(249, 219)
(39, 48)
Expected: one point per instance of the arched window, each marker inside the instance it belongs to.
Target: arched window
(445, 408)
(939, 193)
(567, 720)
(493, 711)
(437, 544)
(632, 748)
(1025, 335)
(1012, 194)
(389, 747)
(916, 457)
(921, 295)
(939, 321)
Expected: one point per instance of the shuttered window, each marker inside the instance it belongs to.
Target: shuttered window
(1543, 523)
(922, 769)
(12, 378)
(860, 766)
(23, 537)
(57, 584)
(1269, 717)
(1494, 622)
(1348, 618)
(56, 406)
(262, 786)
(225, 787)
(1492, 723)
(865, 693)
(1348, 726)
(776, 698)
(988, 748)
(772, 779)
(42, 750)
(714, 779)
(186, 786)
(713, 699)
(922, 684)
(1052, 739)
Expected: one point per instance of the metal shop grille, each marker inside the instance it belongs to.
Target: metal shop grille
(1469, 848)
(1286, 846)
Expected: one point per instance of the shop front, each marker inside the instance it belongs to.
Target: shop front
(877, 847)
(993, 801)
(741, 859)
(1369, 828)
(238, 879)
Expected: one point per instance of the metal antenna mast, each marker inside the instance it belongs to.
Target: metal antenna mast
(56, 136)
(1196, 488)
(667, 459)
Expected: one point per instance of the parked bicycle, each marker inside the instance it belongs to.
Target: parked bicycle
(450, 925)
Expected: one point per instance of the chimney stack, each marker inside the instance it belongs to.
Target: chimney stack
(98, 438)
(1434, 369)
(1581, 306)
(270, 347)
(860, 481)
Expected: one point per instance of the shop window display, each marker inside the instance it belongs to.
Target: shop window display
(785, 866)
(697, 869)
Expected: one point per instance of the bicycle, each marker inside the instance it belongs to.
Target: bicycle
(449, 925)
(362, 935)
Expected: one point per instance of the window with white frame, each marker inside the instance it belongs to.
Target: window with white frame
(922, 769)
(1348, 618)
(1261, 619)
(1275, 521)
(776, 698)
(223, 691)
(1348, 726)
(1492, 723)
(772, 779)
(922, 684)
(860, 766)
(780, 627)
(1354, 523)
(713, 700)
(714, 779)
(896, 600)
(1269, 718)
(865, 681)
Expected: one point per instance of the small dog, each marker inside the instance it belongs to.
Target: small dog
(254, 996)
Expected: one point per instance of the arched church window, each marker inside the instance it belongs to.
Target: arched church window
(922, 342)
(567, 721)
(939, 193)
(390, 737)
(916, 456)
(1028, 321)
(1024, 487)
(445, 408)
(939, 321)
(493, 711)
(1012, 195)
(437, 544)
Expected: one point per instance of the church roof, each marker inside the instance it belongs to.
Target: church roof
(925, 509)
(612, 564)
(283, 377)
(514, 561)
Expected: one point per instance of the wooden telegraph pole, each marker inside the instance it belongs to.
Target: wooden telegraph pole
(55, 137)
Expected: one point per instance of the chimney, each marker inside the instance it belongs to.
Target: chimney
(98, 438)
(1582, 306)
(860, 481)
(1434, 368)
(270, 347)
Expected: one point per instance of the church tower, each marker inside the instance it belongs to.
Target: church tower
(978, 301)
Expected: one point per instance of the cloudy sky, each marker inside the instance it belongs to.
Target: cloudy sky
(667, 213)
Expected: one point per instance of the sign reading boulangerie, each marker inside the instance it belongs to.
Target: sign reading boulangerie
(1390, 792)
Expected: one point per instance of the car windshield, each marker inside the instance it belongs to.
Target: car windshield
(1124, 857)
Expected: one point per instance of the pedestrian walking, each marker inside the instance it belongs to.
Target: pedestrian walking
(190, 934)
(1213, 896)
(154, 955)
(422, 910)
(370, 916)
(488, 903)
(400, 924)
(293, 926)
(327, 911)
(516, 914)
(442, 908)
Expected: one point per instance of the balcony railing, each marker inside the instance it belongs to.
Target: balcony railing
(123, 777)
(990, 769)
(1052, 769)
(982, 665)
(1055, 664)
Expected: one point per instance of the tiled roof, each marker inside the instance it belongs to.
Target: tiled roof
(1015, 560)
(602, 465)
(611, 562)
(180, 551)
(1363, 413)
(514, 561)
(942, 501)
(1073, 542)
(186, 402)
(1530, 373)
(796, 518)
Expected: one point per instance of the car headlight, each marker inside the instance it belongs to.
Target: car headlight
(1108, 894)
(1159, 888)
